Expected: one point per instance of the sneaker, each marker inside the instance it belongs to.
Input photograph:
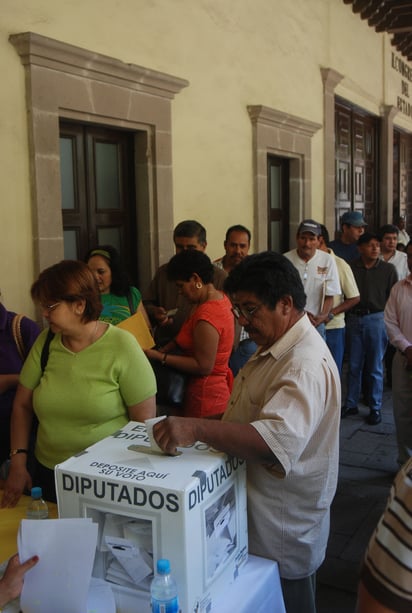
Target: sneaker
(374, 418)
(345, 411)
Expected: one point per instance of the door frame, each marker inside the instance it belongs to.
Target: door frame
(68, 82)
(283, 135)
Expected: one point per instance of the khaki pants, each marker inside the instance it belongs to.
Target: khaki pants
(402, 406)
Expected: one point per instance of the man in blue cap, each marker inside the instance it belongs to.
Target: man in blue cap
(353, 226)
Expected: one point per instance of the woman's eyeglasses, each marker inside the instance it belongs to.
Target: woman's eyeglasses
(248, 314)
(49, 307)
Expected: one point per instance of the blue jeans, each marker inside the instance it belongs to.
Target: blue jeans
(240, 356)
(321, 328)
(366, 343)
(335, 340)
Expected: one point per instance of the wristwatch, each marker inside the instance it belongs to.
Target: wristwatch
(330, 316)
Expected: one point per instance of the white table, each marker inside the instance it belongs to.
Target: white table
(256, 590)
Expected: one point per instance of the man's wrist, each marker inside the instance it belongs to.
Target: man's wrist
(14, 452)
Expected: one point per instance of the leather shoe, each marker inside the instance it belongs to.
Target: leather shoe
(374, 418)
(346, 411)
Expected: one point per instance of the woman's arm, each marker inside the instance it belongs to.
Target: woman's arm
(205, 343)
(8, 382)
(21, 421)
(143, 410)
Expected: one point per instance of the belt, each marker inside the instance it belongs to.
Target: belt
(362, 312)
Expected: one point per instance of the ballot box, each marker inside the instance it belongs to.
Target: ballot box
(189, 508)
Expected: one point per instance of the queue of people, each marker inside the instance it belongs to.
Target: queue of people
(296, 311)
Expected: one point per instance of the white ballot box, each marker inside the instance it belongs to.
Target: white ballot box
(189, 508)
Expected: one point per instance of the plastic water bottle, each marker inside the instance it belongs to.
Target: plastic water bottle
(163, 590)
(37, 507)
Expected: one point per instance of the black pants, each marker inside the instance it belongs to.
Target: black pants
(299, 595)
(44, 478)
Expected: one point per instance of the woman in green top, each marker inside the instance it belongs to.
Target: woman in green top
(96, 379)
(119, 299)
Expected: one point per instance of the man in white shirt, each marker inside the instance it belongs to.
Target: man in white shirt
(318, 273)
(389, 238)
(398, 322)
(403, 237)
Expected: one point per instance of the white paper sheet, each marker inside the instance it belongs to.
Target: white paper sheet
(61, 579)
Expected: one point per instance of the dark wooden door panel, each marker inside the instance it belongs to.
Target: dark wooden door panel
(98, 191)
(278, 203)
(356, 163)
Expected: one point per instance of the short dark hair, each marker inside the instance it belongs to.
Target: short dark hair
(324, 233)
(388, 228)
(68, 281)
(367, 237)
(238, 228)
(268, 275)
(190, 229)
(120, 285)
(182, 266)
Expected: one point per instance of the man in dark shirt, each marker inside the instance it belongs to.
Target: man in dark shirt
(366, 333)
(353, 226)
(167, 309)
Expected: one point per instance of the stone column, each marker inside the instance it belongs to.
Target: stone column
(331, 78)
(388, 113)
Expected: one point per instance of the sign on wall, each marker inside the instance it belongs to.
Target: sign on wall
(403, 84)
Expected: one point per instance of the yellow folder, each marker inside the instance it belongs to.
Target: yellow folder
(137, 325)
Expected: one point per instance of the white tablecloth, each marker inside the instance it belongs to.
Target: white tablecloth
(256, 590)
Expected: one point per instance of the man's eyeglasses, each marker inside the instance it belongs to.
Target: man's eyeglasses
(49, 307)
(248, 314)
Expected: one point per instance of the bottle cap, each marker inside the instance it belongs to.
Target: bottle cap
(163, 566)
(36, 492)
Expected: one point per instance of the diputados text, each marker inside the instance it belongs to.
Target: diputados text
(121, 493)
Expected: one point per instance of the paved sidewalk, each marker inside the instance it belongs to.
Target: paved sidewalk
(367, 467)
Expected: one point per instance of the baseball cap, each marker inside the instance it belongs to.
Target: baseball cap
(309, 225)
(353, 218)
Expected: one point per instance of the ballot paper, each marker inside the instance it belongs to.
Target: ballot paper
(60, 580)
(149, 429)
(129, 563)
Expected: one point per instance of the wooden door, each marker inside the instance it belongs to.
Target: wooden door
(278, 203)
(356, 163)
(98, 191)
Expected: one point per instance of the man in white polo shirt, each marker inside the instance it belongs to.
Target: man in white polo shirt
(318, 272)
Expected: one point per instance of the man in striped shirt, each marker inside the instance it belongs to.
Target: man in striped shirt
(386, 577)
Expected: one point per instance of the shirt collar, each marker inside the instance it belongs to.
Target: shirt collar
(289, 339)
